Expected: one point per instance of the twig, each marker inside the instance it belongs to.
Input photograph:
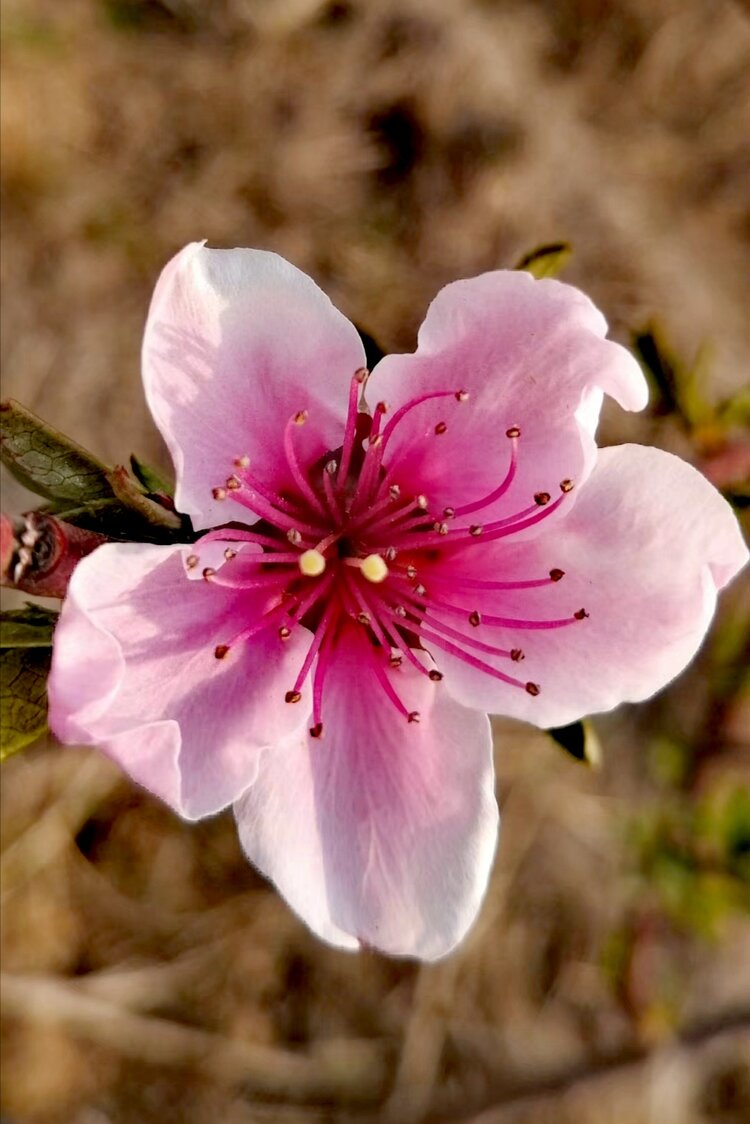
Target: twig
(349, 1071)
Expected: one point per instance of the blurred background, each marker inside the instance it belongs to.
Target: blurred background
(388, 147)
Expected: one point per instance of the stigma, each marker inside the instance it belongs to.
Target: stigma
(311, 563)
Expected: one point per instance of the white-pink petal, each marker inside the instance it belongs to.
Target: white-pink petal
(236, 342)
(134, 672)
(381, 833)
(530, 354)
(645, 551)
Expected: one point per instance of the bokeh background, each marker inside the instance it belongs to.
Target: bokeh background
(387, 147)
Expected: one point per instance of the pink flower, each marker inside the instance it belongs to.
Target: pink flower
(323, 660)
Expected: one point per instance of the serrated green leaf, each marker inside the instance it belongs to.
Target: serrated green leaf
(23, 697)
(547, 260)
(150, 478)
(30, 627)
(46, 461)
(580, 740)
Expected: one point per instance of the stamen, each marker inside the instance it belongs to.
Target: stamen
(317, 640)
(472, 661)
(459, 395)
(440, 429)
(192, 561)
(292, 696)
(299, 419)
(330, 492)
(390, 691)
(350, 430)
(272, 514)
(502, 488)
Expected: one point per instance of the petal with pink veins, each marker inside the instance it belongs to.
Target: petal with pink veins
(382, 832)
(236, 343)
(134, 672)
(530, 354)
(644, 552)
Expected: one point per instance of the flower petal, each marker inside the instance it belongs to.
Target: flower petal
(381, 832)
(237, 341)
(644, 552)
(134, 672)
(531, 354)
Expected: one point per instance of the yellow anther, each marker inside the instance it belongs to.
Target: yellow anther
(374, 568)
(312, 563)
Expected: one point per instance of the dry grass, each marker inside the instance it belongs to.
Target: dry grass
(385, 147)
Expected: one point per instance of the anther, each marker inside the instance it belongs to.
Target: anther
(382, 407)
(221, 650)
(292, 696)
(284, 632)
(435, 675)
(316, 731)
(394, 660)
(533, 689)
(208, 573)
(556, 575)
(514, 431)
(332, 468)
(364, 618)
(219, 493)
(566, 485)
(390, 554)
(449, 512)
(374, 569)
(413, 716)
(420, 590)
(580, 615)
(400, 611)
(516, 655)
(462, 396)
(311, 563)
(233, 483)
(411, 572)
(229, 554)
(475, 529)
(394, 491)
(295, 538)
(361, 374)
(475, 619)
(441, 528)
(300, 417)
(542, 498)
(421, 502)
(192, 561)
(242, 462)
(440, 428)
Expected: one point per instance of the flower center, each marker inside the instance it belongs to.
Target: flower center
(355, 545)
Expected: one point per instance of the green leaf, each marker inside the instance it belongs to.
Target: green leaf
(658, 365)
(547, 260)
(580, 741)
(151, 479)
(46, 461)
(23, 697)
(30, 627)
